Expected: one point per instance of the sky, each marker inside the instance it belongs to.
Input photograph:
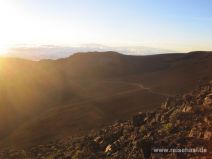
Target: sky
(180, 25)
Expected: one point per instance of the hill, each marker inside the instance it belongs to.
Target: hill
(180, 128)
(86, 91)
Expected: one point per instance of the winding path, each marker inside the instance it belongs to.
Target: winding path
(92, 99)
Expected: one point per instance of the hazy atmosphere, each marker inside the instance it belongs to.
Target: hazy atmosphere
(105, 79)
(171, 26)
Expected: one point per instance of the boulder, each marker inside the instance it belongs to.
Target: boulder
(208, 135)
(208, 100)
(138, 119)
(108, 149)
(170, 102)
(98, 140)
(187, 108)
(195, 133)
(146, 146)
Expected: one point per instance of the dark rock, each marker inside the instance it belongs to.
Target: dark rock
(208, 100)
(146, 145)
(170, 102)
(138, 119)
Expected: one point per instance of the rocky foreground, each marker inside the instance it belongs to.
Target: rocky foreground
(180, 128)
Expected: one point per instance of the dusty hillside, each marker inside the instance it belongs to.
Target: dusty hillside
(87, 91)
(180, 128)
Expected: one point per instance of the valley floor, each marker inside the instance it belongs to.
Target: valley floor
(180, 128)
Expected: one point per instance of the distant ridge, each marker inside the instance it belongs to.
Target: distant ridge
(56, 52)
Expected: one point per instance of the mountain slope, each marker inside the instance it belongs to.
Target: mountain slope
(87, 91)
(180, 128)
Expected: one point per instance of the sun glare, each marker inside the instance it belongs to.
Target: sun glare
(3, 50)
(7, 13)
(12, 27)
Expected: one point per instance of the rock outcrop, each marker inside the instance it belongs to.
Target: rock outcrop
(180, 128)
